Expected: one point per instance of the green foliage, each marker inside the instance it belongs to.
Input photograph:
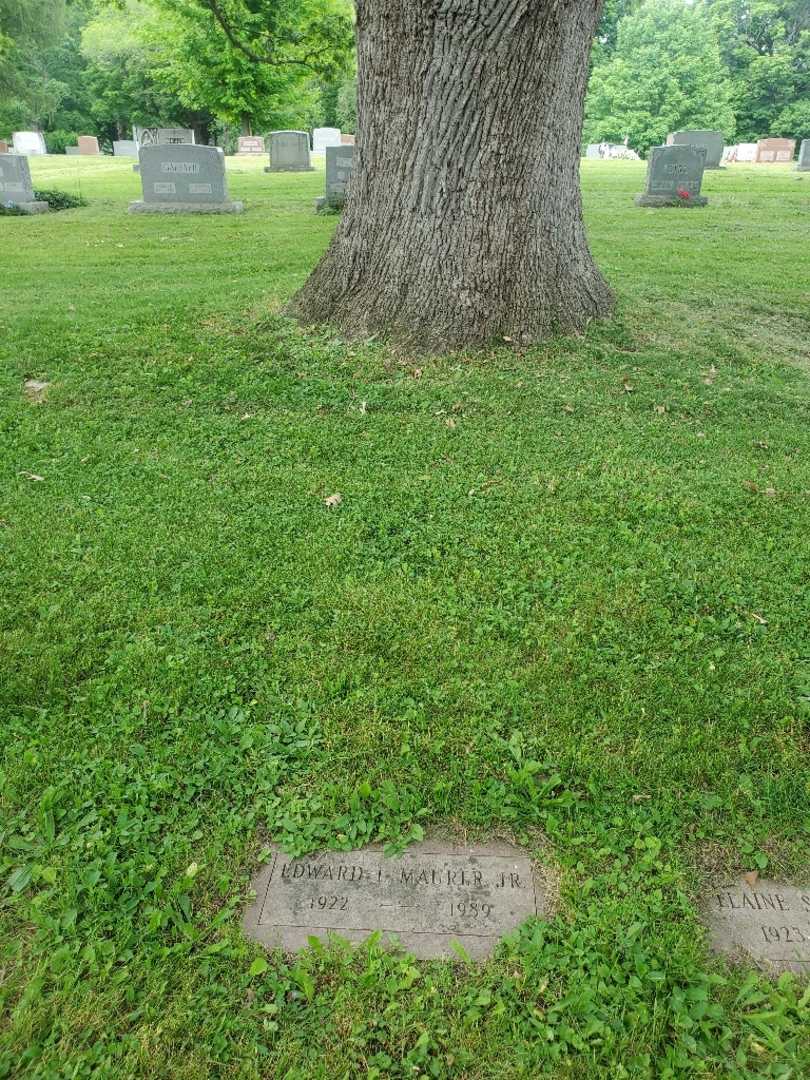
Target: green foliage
(28, 92)
(60, 200)
(665, 73)
(346, 105)
(569, 616)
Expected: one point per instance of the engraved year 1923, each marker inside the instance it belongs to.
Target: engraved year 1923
(789, 935)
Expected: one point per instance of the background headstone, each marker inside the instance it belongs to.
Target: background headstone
(804, 156)
(339, 167)
(15, 184)
(768, 923)
(711, 140)
(592, 150)
(775, 150)
(158, 136)
(746, 151)
(28, 142)
(125, 148)
(289, 152)
(346, 140)
(250, 144)
(3, 146)
(427, 898)
(72, 151)
(88, 144)
(325, 137)
(674, 176)
(183, 178)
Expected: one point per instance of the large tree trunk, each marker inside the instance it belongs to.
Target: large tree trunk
(463, 222)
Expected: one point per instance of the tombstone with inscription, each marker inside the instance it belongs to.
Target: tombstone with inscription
(711, 140)
(775, 151)
(183, 178)
(289, 152)
(322, 138)
(28, 142)
(3, 146)
(746, 151)
(803, 164)
(339, 167)
(433, 895)
(125, 148)
(767, 923)
(157, 136)
(250, 144)
(88, 145)
(674, 176)
(16, 188)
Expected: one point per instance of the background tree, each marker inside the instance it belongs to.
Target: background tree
(27, 92)
(464, 219)
(666, 73)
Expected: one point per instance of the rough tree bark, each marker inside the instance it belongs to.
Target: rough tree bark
(463, 221)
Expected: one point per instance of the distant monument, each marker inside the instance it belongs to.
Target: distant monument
(711, 140)
(250, 144)
(674, 176)
(16, 188)
(157, 136)
(773, 151)
(289, 152)
(28, 142)
(125, 148)
(339, 168)
(322, 138)
(804, 156)
(183, 179)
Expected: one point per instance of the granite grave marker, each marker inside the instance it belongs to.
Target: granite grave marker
(432, 895)
(289, 152)
(158, 136)
(325, 137)
(88, 145)
(16, 188)
(712, 141)
(803, 164)
(250, 144)
(674, 176)
(28, 142)
(3, 146)
(339, 168)
(746, 151)
(775, 151)
(125, 148)
(767, 923)
(72, 151)
(183, 179)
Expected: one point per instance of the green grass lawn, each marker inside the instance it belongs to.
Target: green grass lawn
(564, 599)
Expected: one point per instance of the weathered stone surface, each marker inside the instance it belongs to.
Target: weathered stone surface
(767, 923)
(322, 138)
(125, 148)
(339, 168)
(88, 145)
(746, 151)
(28, 142)
(289, 152)
(432, 895)
(155, 136)
(3, 146)
(16, 188)
(674, 176)
(804, 156)
(250, 144)
(712, 141)
(72, 151)
(774, 151)
(183, 178)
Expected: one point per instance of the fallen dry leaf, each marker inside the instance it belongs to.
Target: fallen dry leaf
(31, 476)
(333, 500)
(568, 408)
(627, 387)
(749, 485)
(769, 491)
(759, 619)
(660, 409)
(752, 877)
(450, 422)
(35, 390)
(416, 373)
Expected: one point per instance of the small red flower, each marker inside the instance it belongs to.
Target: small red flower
(683, 193)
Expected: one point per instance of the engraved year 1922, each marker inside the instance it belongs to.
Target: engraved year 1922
(329, 903)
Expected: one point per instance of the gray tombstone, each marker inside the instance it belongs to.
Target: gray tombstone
(125, 148)
(712, 141)
(183, 178)
(427, 899)
(803, 164)
(322, 138)
(28, 142)
(16, 188)
(289, 152)
(157, 136)
(767, 923)
(72, 151)
(339, 168)
(592, 150)
(674, 176)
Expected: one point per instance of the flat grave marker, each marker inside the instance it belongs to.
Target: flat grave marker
(289, 152)
(768, 923)
(674, 176)
(432, 895)
(183, 179)
(15, 184)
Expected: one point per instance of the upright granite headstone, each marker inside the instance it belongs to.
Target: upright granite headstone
(339, 168)
(3, 146)
(432, 896)
(346, 140)
(746, 151)
(88, 144)
(804, 156)
(289, 152)
(16, 188)
(157, 136)
(250, 144)
(183, 179)
(593, 150)
(72, 151)
(773, 151)
(674, 176)
(28, 142)
(767, 923)
(322, 138)
(712, 141)
(125, 148)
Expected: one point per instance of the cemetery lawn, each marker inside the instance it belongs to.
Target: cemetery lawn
(563, 599)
